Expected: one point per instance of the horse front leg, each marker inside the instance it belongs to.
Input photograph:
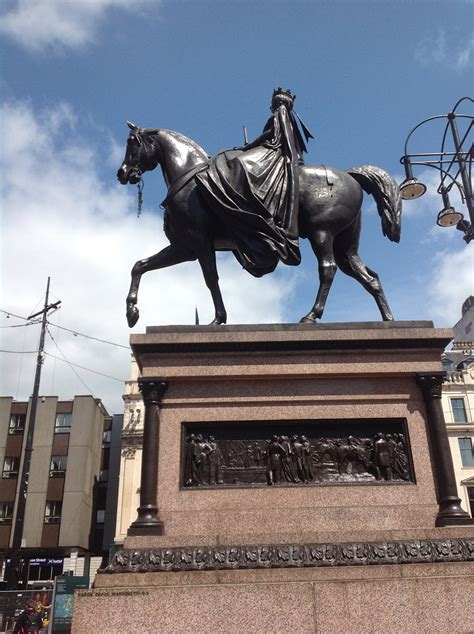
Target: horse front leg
(132, 311)
(322, 244)
(169, 256)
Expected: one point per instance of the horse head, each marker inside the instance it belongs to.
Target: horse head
(140, 156)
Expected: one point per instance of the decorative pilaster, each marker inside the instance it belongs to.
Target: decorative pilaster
(450, 511)
(148, 522)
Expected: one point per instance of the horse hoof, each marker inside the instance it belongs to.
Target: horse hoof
(132, 315)
(307, 320)
(217, 322)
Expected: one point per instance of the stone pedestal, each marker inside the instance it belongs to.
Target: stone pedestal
(383, 553)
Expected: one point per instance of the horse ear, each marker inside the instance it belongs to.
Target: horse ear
(132, 126)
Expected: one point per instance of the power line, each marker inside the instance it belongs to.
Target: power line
(80, 334)
(19, 351)
(30, 323)
(10, 314)
(76, 365)
(74, 332)
(66, 360)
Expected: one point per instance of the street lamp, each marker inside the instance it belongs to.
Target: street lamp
(454, 167)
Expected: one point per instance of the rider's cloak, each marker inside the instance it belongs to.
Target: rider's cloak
(254, 192)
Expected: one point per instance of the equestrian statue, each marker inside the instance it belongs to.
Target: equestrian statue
(257, 201)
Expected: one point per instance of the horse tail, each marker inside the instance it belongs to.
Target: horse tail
(384, 189)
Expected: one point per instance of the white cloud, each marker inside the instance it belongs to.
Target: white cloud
(445, 48)
(44, 24)
(60, 219)
(452, 282)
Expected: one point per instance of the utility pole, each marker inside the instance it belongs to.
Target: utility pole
(15, 568)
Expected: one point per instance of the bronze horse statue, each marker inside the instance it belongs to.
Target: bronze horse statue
(329, 216)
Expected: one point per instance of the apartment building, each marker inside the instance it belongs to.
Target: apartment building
(65, 515)
(458, 403)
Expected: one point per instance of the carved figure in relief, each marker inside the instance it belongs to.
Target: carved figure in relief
(189, 470)
(287, 460)
(275, 454)
(307, 470)
(382, 461)
(214, 462)
(297, 452)
(200, 459)
(400, 459)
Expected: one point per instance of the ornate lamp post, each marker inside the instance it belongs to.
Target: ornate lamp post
(455, 169)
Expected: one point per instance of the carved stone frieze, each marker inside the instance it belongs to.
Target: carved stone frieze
(176, 559)
(296, 453)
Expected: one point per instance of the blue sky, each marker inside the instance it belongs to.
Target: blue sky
(75, 70)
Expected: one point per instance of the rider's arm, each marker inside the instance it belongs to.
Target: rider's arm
(266, 135)
(260, 140)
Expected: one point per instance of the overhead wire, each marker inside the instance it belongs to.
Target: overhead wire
(29, 323)
(81, 334)
(68, 362)
(74, 332)
(19, 351)
(82, 367)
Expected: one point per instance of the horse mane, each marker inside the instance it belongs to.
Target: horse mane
(179, 137)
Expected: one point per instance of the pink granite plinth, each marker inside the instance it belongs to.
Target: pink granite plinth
(290, 372)
(409, 599)
(266, 374)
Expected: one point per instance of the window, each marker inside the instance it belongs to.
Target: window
(100, 517)
(52, 514)
(448, 365)
(103, 475)
(6, 512)
(459, 411)
(58, 466)
(11, 466)
(107, 436)
(63, 423)
(17, 424)
(470, 495)
(467, 454)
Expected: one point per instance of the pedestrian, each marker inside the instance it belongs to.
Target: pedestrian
(30, 620)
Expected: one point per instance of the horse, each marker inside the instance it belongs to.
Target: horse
(329, 216)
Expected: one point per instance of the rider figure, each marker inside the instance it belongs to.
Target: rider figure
(254, 190)
(282, 135)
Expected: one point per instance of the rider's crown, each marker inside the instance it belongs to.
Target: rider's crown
(283, 91)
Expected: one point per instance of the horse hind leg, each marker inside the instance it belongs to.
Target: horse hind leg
(322, 244)
(169, 256)
(207, 259)
(351, 264)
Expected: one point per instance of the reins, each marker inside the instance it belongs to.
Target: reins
(140, 186)
(182, 180)
(175, 187)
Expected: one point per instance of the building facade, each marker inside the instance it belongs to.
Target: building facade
(458, 403)
(64, 516)
(131, 457)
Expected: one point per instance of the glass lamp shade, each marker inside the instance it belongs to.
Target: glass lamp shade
(449, 217)
(411, 188)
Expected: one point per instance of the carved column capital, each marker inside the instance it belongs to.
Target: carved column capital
(152, 390)
(431, 384)
(129, 452)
